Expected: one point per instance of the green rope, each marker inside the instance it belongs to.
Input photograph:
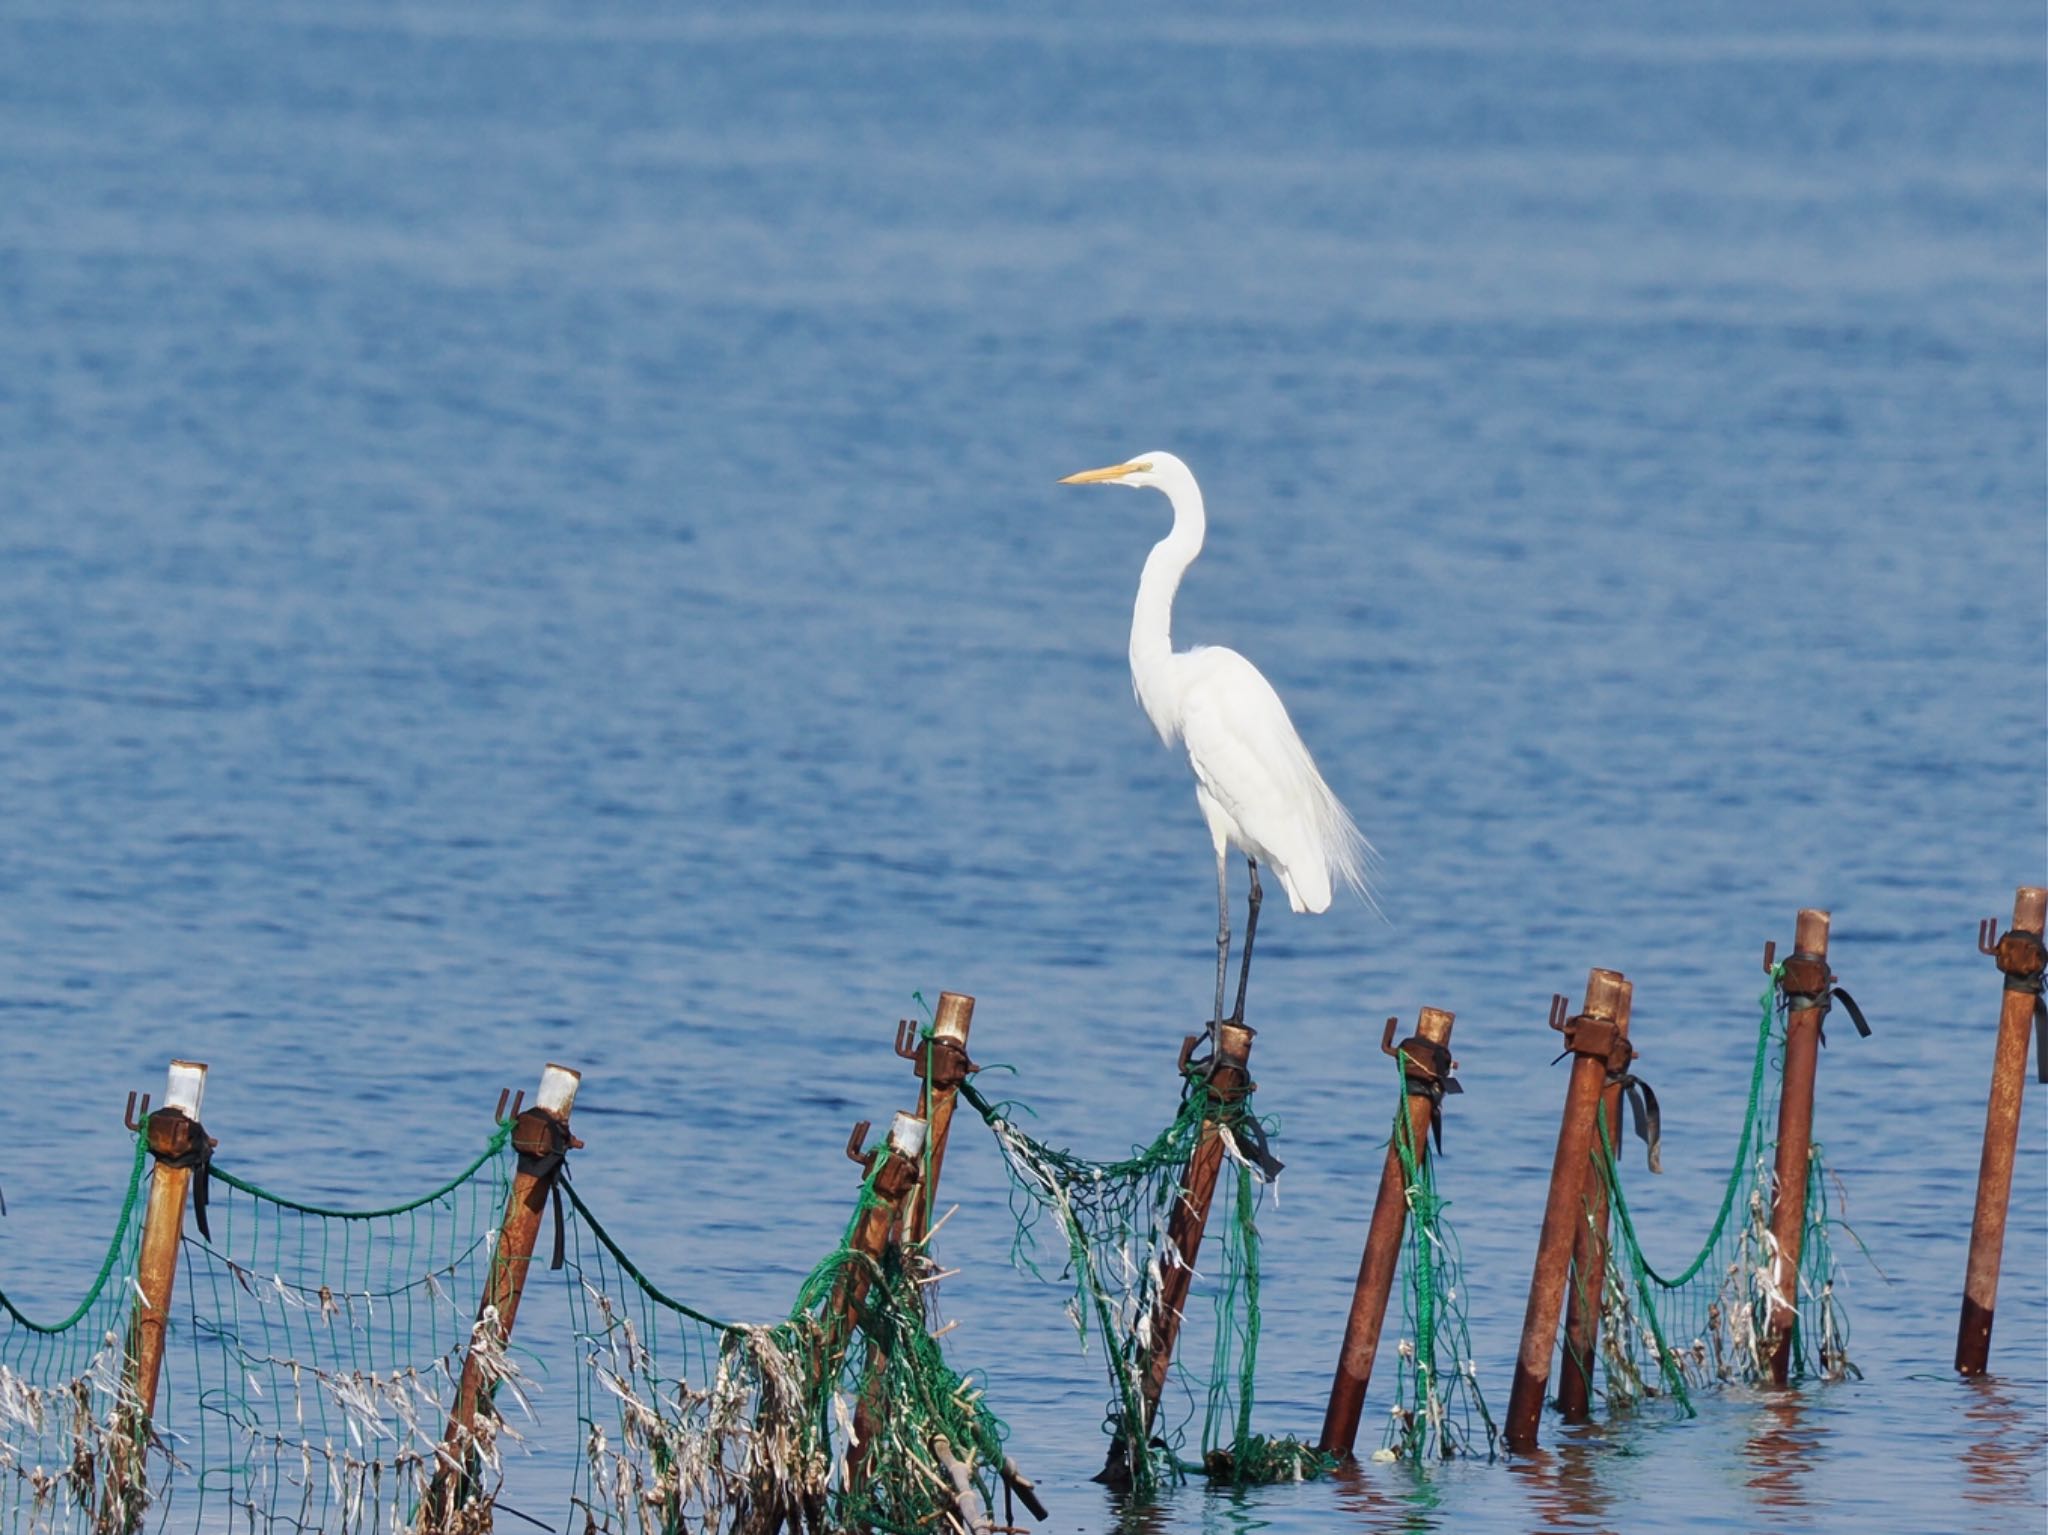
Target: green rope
(630, 1269)
(497, 1143)
(107, 1264)
(691, 1424)
(1438, 1413)
(1751, 1121)
(1114, 1222)
(1712, 1322)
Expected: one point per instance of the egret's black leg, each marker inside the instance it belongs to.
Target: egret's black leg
(1251, 929)
(1222, 938)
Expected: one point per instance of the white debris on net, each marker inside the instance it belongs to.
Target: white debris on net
(738, 1450)
(95, 1471)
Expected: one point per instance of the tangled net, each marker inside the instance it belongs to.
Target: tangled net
(844, 1415)
(73, 1441)
(1438, 1412)
(1667, 1336)
(320, 1352)
(1113, 1223)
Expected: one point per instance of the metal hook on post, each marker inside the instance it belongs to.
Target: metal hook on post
(1560, 1011)
(517, 1100)
(1987, 936)
(906, 1038)
(129, 1117)
(853, 1144)
(1770, 955)
(1387, 1037)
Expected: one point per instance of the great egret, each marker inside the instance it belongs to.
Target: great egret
(1254, 779)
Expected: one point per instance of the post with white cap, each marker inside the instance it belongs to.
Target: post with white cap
(541, 1137)
(888, 1192)
(893, 1169)
(178, 1142)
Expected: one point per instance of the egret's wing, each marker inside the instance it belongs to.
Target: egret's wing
(1248, 755)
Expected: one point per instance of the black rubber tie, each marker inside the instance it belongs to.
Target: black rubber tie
(1648, 1117)
(200, 1161)
(552, 1165)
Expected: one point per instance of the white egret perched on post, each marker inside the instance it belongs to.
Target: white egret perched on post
(1255, 781)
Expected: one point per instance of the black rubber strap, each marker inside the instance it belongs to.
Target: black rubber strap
(1648, 1117)
(1250, 1136)
(1421, 1085)
(1822, 1002)
(200, 1161)
(2030, 982)
(1855, 1013)
(553, 1166)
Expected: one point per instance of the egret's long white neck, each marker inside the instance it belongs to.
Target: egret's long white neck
(1152, 616)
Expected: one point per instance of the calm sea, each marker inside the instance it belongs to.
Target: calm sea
(527, 532)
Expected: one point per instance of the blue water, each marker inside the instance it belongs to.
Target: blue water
(528, 533)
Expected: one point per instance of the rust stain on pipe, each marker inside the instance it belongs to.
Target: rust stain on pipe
(1805, 975)
(1583, 1299)
(1590, 1037)
(538, 1133)
(2019, 959)
(1228, 1082)
(1380, 1261)
(945, 1066)
(173, 1132)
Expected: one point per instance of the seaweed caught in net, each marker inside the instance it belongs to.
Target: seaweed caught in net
(327, 1346)
(838, 1417)
(1113, 1223)
(318, 1352)
(1439, 1411)
(1666, 1337)
(74, 1447)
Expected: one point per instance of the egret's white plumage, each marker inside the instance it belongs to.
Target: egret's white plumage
(1255, 781)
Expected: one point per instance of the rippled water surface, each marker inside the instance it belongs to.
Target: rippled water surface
(528, 533)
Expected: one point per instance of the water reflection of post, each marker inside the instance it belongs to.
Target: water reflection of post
(2002, 1452)
(1564, 1485)
(1782, 1451)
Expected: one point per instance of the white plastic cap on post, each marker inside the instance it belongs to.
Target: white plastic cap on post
(558, 1086)
(906, 1135)
(186, 1088)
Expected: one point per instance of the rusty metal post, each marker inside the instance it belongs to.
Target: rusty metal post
(1804, 982)
(1229, 1082)
(1584, 1297)
(541, 1137)
(895, 1184)
(1597, 1048)
(943, 1065)
(175, 1136)
(2021, 957)
(895, 1179)
(1426, 1064)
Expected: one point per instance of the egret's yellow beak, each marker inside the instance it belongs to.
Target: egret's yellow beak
(1113, 472)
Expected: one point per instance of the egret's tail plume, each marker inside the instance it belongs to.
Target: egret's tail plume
(1350, 859)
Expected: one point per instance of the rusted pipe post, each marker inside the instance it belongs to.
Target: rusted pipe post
(1426, 1064)
(895, 1194)
(1583, 1298)
(1804, 982)
(1596, 1047)
(943, 1065)
(1229, 1082)
(174, 1135)
(541, 1137)
(2021, 957)
(894, 1180)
